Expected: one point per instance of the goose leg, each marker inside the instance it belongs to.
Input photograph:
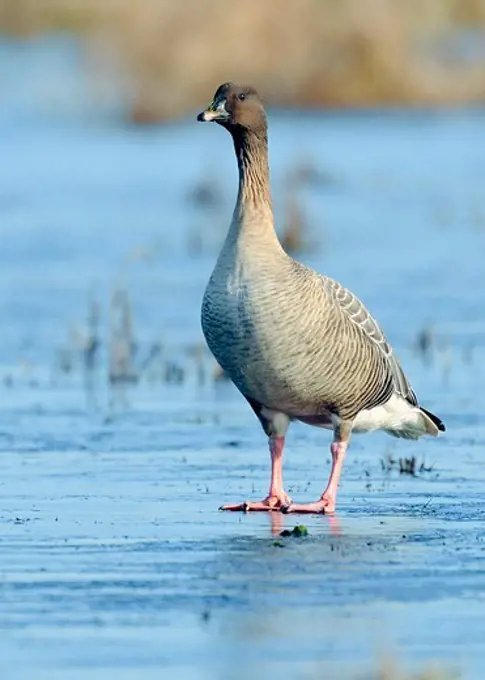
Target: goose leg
(328, 500)
(277, 497)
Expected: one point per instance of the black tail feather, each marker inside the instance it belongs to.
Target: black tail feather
(439, 423)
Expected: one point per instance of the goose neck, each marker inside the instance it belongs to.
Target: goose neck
(251, 148)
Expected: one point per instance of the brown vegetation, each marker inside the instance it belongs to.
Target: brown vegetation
(299, 52)
(390, 672)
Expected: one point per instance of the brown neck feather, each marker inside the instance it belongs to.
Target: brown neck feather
(251, 147)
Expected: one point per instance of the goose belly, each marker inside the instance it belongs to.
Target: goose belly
(260, 353)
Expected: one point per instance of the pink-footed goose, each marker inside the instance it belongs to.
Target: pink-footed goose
(296, 344)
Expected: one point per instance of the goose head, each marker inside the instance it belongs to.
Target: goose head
(235, 107)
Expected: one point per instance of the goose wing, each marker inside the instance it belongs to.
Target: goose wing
(356, 313)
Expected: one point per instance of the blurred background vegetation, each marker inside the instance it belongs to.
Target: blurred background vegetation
(168, 55)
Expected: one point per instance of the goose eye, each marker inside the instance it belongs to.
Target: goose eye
(241, 96)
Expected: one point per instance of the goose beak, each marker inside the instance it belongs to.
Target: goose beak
(216, 112)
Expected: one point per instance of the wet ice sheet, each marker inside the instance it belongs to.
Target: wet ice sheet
(116, 560)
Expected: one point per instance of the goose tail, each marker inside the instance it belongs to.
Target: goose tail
(432, 423)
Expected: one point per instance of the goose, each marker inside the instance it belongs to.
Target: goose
(296, 344)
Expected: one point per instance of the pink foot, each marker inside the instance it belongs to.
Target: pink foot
(269, 504)
(326, 505)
